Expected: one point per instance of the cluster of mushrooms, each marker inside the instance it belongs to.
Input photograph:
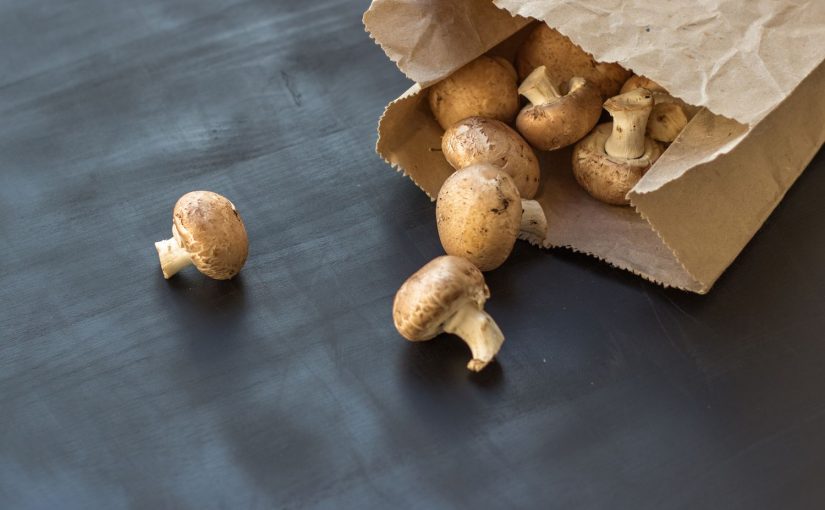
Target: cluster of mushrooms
(486, 204)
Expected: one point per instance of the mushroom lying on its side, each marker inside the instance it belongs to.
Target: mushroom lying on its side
(669, 116)
(612, 159)
(448, 295)
(481, 140)
(552, 120)
(480, 214)
(564, 60)
(208, 232)
(485, 87)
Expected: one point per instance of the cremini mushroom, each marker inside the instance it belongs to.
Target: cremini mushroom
(669, 116)
(564, 60)
(208, 232)
(552, 120)
(612, 159)
(448, 295)
(481, 140)
(479, 215)
(486, 87)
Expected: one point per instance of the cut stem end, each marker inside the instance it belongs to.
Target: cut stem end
(479, 332)
(538, 88)
(172, 256)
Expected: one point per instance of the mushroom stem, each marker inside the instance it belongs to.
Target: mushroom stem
(630, 112)
(479, 332)
(533, 221)
(538, 88)
(173, 257)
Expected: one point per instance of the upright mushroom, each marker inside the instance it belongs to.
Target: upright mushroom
(552, 120)
(486, 87)
(481, 140)
(448, 295)
(480, 214)
(208, 232)
(669, 116)
(612, 159)
(564, 60)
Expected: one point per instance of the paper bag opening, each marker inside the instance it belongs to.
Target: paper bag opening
(694, 210)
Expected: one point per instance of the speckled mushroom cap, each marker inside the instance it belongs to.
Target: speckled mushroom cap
(485, 87)
(434, 294)
(207, 226)
(564, 60)
(604, 177)
(481, 140)
(564, 121)
(478, 214)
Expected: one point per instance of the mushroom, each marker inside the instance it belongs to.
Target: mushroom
(481, 140)
(485, 87)
(479, 215)
(448, 295)
(612, 159)
(669, 116)
(207, 232)
(552, 120)
(564, 60)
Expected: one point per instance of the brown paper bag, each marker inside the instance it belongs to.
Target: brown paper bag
(756, 67)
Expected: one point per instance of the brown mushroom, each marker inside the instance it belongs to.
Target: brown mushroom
(479, 215)
(448, 295)
(208, 232)
(552, 120)
(486, 87)
(481, 140)
(564, 60)
(612, 159)
(670, 115)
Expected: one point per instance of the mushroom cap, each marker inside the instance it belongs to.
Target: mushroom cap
(485, 87)
(666, 121)
(640, 82)
(434, 293)
(207, 226)
(481, 140)
(564, 121)
(604, 177)
(564, 60)
(478, 214)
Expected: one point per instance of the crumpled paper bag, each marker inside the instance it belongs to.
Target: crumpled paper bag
(756, 67)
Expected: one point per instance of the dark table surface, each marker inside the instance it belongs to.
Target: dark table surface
(288, 386)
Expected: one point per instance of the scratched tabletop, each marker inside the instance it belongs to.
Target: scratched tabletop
(288, 386)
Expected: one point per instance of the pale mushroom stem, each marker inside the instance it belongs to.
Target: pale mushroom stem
(630, 112)
(173, 258)
(538, 88)
(479, 332)
(533, 221)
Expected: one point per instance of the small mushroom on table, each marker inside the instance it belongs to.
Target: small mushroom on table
(486, 87)
(480, 214)
(553, 120)
(208, 232)
(612, 159)
(481, 140)
(448, 295)
(669, 116)
(564, 60)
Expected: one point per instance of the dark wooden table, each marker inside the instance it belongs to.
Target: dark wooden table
(288, 386)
